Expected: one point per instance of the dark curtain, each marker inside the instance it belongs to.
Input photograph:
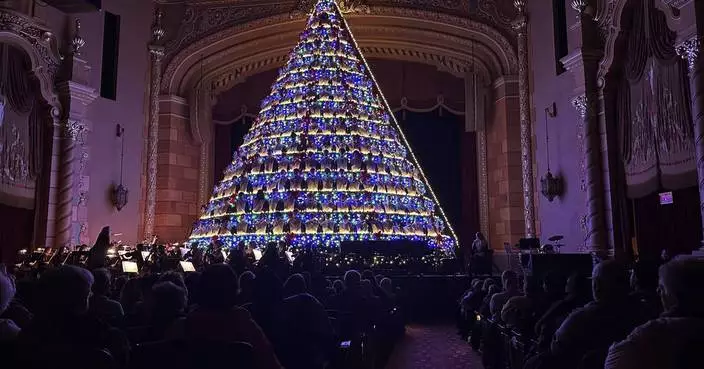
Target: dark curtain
(228, 139)
(448, 157)
(674, 227)
(16, 231)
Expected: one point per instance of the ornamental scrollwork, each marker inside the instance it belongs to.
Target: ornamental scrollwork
(73, 129)
(689, 51)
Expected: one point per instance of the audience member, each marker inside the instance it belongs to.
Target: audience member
(509, 280)
(169, 308)
(294, 285)
(8, 329)
(247, 285)
(578, 294)
(218, 319)
(644, 284)
(62, 321)
(587, 332)
(675, 339)
(100, 304)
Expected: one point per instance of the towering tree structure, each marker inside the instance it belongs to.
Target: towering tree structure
(325, 160)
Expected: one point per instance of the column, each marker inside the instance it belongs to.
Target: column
(689, 50)
(75, 97)
(156, 54)
(521, 27)
(475, 121)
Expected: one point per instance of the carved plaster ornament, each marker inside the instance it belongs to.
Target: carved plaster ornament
(158, 32)
(74, 128)
(77, 42)
(689, 50)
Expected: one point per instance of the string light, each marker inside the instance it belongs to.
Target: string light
(323, 163)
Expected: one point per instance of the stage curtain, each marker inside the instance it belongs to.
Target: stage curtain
(447, 155)
(656, 134)
(228, 137)
(15, 231)
(674, 227)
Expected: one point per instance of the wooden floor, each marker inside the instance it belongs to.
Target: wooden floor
(433, 347)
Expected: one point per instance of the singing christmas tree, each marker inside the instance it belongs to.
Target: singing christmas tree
(325, 161)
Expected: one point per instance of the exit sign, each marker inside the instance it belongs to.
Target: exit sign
(666, 198)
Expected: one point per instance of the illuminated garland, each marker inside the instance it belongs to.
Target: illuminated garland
(325, 160)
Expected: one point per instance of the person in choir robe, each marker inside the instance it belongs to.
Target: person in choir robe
(241, 226)
(281, 181)
(297, 181)
(278, 224)
(326, 162)
(369, 203)
(296, 224)
(345, 225)
(328, 181)
(289, 202)
(377, 227)
(341, 161)
(260, 226)
(259, 202)
(356, 161)
(341, 182)
(270, 162)
(311, 225)
(240, 203)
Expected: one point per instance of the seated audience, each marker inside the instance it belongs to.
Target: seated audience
(509, 281)
(169, 308)
(100, 304)
(589, 331)
(218, 319)
(675, 339)
(246, 294)
(8, 329)
(294, 285)
(310, 343)
(485, 307)
(62, 322)
(520, 312)
(578, 294)
(644, 284)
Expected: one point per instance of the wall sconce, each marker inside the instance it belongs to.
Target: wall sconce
(550, 186)
(120, 192)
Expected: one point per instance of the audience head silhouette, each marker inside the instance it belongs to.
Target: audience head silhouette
(101, 282)
(169, 299)
(610, 281)
(509, 280)
(7, 289)
(218, 287)
(294, 285)
(681, 288)
(64, 291)
(352, 279)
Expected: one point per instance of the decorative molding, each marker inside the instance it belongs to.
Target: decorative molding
(77, 42)
(580, 104)
(689, 51)
(39, 42)
(183, 59)
(74, 128)
(238, 73)
(677, 4)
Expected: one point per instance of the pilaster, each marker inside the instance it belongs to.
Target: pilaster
(521, 27)
(583, 64)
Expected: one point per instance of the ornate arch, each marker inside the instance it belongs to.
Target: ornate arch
(246, 40)
(39, 43)
(226, 58)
